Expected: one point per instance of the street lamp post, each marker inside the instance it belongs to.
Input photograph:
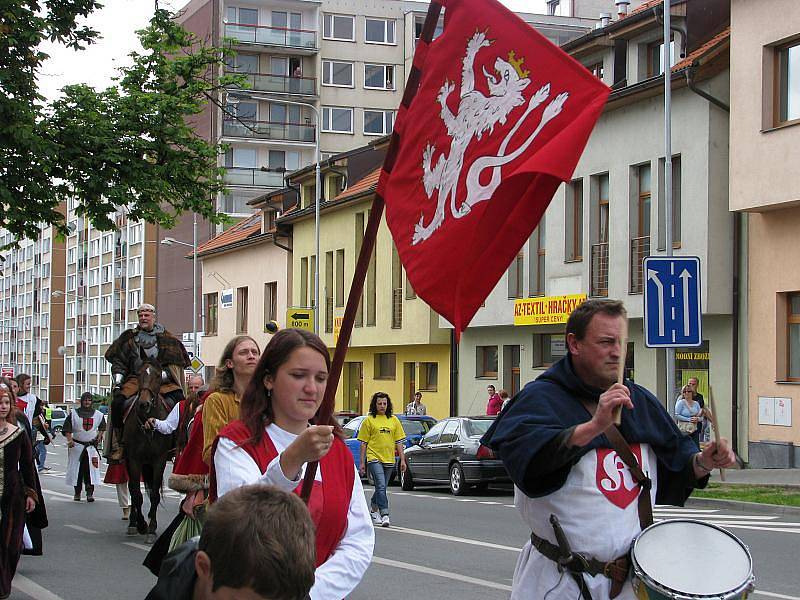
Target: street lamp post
(62, 293)
(169, 241)
(318, 186)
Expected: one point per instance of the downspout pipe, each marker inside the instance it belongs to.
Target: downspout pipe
(735, 280)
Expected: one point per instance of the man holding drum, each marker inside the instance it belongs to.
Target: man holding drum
(573, 485)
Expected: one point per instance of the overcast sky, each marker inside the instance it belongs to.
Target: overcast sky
(117, 22)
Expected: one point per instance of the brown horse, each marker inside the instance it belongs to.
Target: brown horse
(146, 451)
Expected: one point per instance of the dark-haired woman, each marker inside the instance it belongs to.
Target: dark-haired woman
(17, 489)
(275, 439)
(381, 435)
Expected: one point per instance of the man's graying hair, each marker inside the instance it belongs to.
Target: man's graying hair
(580, 318)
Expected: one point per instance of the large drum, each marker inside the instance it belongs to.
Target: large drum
(684, 559)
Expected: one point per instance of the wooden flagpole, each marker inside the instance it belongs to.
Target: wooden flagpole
(714, 424)
(621, 369)
(367, 247)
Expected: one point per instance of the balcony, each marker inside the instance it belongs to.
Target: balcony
(253, 177)
(278, 84)
(269, 130)
(599, 274)
(640, 249)
(281, 37)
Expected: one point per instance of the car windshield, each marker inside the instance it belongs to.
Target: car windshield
(477, 427)
(415, 427)
(59, 413)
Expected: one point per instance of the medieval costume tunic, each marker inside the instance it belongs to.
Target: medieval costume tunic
(17, 482)
(589, 488)
(345, 536)
(83, 459)
(37, 520)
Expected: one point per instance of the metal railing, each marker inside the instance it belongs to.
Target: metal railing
(599, 274)
(252, 177)
(397, 308)
(269, 130)
(272, 36)
(640, 249)
(279, 84)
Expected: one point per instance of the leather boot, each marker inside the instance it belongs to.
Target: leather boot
(77, 496)
(117, 448)
(90, 493)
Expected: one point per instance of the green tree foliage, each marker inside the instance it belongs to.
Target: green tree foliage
(131, 144)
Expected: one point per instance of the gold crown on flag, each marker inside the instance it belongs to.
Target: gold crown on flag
(517, 64)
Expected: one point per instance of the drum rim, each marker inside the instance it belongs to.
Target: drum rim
(679, 594)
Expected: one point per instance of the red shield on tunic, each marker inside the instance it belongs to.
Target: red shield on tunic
(88, 423)
(613, 477)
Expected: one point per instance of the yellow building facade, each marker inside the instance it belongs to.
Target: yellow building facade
(397, 345)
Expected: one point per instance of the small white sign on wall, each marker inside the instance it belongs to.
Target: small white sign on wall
(766, 411)
(775, 411)
(783, 412)
(226, 298)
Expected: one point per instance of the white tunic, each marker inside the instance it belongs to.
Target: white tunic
(598, 510)
(342, 572)
(74, 454)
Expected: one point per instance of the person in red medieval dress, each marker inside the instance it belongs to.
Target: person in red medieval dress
(273, 441)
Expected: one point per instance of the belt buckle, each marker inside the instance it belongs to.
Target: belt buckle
(582, 565)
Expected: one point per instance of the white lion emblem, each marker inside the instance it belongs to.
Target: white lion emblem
(478, 114)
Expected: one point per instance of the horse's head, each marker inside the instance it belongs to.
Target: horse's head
(149, 386)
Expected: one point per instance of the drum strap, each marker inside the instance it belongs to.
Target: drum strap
(624, 451)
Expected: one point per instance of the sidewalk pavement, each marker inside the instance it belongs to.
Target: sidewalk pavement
(781, 477)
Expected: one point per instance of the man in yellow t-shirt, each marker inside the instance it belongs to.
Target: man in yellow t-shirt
(380, 434)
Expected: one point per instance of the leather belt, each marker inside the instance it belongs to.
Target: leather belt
(576, 564)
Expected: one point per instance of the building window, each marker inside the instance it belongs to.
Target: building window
(242, 16)
(640, 240)
(596, 69)
(419, 23)
(397, 290)
(210, 320)
(336, 73)
(340, 287)
(573, 234)
(793, 337)
(486, 361)
(304, 282)
(358, 241)
(378, 77)
(337, 120)
(655, 57)
(241, 310)
(516, 276)
(339, 27)
(378, 122)
(385, 365)
(676, 203)
(429, 376)
(328, 289)
(788, 82)
(537, 260)
(371, 287)
(379, 31)
(270, 301)
(547, 349)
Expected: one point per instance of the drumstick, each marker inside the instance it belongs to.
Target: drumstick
(621, 370)
(713, 408)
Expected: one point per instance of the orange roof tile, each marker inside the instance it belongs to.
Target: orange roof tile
(367, 183)
(648, 4)
(242, 230)
(707, 47)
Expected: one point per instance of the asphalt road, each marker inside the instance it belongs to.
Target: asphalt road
(438, 546)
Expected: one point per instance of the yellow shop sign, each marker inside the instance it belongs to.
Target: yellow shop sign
(548, 310)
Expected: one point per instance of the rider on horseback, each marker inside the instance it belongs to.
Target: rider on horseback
(148, 339)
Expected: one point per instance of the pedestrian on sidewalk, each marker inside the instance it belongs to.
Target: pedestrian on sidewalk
(274, 441)
(33, 408)
(557, 442)
(416, 407)
(83, 429)
(18, 494)
(495, 402)
(257, 543)
(381, 435)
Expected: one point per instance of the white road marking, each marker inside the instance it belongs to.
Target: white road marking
(61, 495)
(137, 546)
(447, 538)
(81, 529)
(428, 571)
(32, 589)
(673, 515)
(487, 502)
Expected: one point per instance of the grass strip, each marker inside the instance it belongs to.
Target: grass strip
(763, 494)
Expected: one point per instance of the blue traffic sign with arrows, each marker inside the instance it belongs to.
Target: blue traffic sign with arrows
(672, 311)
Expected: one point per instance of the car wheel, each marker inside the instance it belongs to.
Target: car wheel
(57, 428)
(406, 481)
(458, 486)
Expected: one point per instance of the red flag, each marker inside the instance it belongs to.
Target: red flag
(500, 119)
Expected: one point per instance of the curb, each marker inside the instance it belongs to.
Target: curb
(752, 507)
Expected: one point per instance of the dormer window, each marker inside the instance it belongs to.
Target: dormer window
(655, 57)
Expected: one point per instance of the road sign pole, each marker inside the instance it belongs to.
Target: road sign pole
(670, 358)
